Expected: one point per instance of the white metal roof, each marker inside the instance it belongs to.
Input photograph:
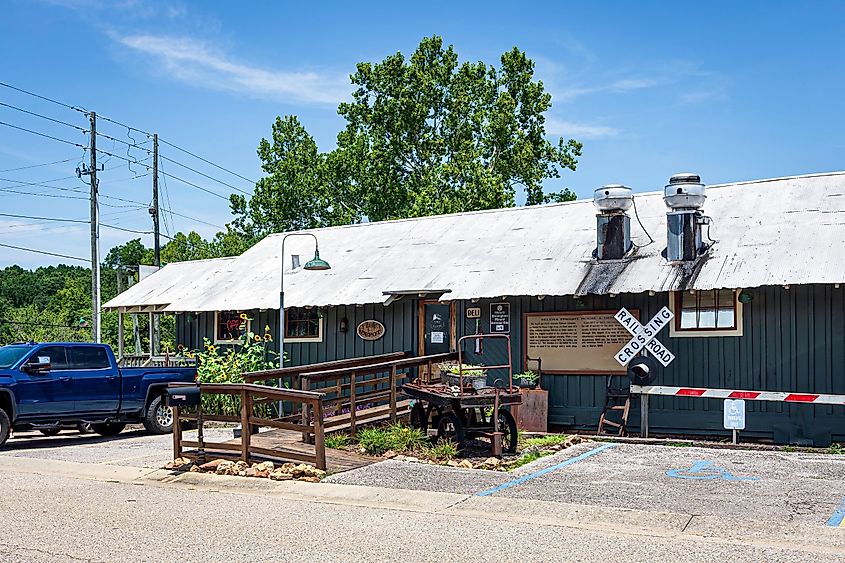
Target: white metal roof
(768, 232)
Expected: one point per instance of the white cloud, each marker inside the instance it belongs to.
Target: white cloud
(189, 60)
(559, 128)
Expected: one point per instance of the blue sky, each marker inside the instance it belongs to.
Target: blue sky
(731, 90)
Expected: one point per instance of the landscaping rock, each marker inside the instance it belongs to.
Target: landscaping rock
(268, 466)
(279, 475)
(195, 469)
(389, 454)
(211, 465)
(227, 468)
(465, 464)
(248, 472)
(310, 479)
(452, 463)
(490, 463)
(179, 464)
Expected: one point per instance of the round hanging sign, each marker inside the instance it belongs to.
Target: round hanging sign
(370, 330)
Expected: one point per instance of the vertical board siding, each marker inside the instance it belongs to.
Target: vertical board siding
(793, 340)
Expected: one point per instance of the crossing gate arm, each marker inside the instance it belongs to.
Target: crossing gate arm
(644, 391)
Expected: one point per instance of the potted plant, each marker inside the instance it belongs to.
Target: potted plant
(474, 376)
(527, 379)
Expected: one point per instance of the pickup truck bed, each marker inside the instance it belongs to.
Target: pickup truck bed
(58, 383)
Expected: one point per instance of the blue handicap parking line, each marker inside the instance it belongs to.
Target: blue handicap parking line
(705, 470)
(838, 516)
(542, 472)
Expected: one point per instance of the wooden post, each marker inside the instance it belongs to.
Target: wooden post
(246, 428)
(177, 434)
(319, 438)
(352, 425)
(393, 394)
(306, 436)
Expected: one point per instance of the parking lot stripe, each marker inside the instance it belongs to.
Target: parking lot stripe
(837, 519)
(542, 472)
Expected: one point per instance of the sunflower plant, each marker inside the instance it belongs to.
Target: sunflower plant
(227, 364)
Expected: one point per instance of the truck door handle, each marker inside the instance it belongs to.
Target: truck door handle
(111, 377)
(64, 379)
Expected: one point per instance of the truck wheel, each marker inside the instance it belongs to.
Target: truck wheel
(159, 417)
(5, 427)
(108, 428)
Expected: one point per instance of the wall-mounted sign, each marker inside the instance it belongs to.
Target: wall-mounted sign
(575, 342)
(370, 330)
(473, 312)
(500, 318)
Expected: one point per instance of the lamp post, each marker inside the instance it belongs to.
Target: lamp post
(315, 263)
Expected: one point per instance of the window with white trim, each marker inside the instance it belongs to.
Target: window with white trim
(716, 312)
(230, 326)
(303, 324)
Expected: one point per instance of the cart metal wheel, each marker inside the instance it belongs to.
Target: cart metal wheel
(451, 428)
(419, 417)
(507, 426)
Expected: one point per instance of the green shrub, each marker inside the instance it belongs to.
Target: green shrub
(396, 437)
(444, 450)
(836, 449)
(337, 441)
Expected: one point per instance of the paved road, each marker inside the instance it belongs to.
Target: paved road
(58, 518)
(616, 504)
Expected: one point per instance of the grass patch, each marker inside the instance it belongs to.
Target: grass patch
(679, 444)
(789, 449)
(337, 441)
(545, 441)
(527, 458)
(396, 437)
(442, 451)
(836, 449)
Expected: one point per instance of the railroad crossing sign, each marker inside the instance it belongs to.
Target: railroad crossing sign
(644, 336)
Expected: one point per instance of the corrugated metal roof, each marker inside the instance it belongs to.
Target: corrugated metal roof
(768, 232)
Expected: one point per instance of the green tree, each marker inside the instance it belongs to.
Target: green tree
(131, 253)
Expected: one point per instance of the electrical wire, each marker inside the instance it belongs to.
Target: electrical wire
(68, 106)
(206, 190)
(206, 161)
(44, 252)
(59, 121)
(637, 215)
(124, 229)
(237, 189)
(37, 165)
(42, 135)
(37, 218)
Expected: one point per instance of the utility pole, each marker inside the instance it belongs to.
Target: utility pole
(154, 317)
(95, 234)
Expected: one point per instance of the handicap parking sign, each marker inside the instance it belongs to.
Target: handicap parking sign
(734, 414)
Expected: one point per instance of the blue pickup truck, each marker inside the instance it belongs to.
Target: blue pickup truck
(45, 386)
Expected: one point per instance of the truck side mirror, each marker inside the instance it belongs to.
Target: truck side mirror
(38, 366)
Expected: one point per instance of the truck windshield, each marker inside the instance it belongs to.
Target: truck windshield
(9, 355)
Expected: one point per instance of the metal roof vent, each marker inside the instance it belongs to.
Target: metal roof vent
(684, 191)
(613, 197)
(684, 196)
(613, 226)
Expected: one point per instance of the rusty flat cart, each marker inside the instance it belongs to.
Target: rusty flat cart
(462, 411)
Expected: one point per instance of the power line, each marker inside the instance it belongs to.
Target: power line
(81, 110)
(237, 189)
(195, 219)
(206, 161)
(38, 165)
(59, 121)
(110, 120)
(37, 218)
(43, 252)
(206, 190)
(42, 134)
(124, 229)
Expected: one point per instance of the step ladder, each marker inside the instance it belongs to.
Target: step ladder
(617, 399)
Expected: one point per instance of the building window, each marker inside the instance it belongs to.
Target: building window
(230, 326)
(715, 312)
(303, 324)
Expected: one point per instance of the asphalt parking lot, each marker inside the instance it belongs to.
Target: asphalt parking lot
(133, 447)
(733, 484)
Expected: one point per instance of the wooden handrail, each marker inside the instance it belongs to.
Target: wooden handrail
(379, 367)
(321, 366)
(276, 393)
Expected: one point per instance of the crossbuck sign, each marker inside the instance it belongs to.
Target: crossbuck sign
(644, 336)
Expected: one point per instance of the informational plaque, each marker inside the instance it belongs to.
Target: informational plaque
(578, 342)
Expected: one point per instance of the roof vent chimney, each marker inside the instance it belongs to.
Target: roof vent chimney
(684, 196)
(613, 225)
